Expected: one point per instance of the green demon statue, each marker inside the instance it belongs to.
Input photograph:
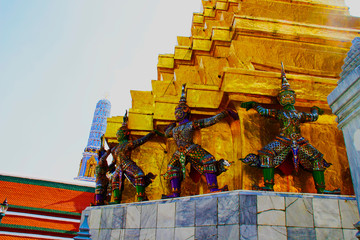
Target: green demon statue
(125, 167)
(289, 141)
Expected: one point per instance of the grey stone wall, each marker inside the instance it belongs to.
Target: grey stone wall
(229, 215)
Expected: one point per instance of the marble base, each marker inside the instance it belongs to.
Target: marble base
(229, 215)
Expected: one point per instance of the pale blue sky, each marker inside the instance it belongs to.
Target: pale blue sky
(59, 57)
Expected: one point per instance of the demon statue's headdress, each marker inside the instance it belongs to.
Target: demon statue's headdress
(123, 130)
(285, 86)
(286, 96)
(182, 110)
(125, 121)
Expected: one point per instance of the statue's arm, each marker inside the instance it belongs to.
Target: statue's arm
(112, 166)
(313, 116)
(115, 155)
(138, 142)
(265, 112)
(207, 122)
(168, 130)
(102, 160)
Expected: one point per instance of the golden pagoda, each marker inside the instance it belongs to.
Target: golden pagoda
(232, 56)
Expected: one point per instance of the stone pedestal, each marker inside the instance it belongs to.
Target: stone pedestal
(229, 215)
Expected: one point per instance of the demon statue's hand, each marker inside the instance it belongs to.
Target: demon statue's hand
(172, 125)
(158, 133)
(112, 151)
(248, 105)
(319, 110)
(233, 114)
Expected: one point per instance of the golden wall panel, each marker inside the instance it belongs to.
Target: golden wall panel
(165, 88)
(209, 12)
(303, 13)
(113, 124)
(331, 3)
(198, 18)
(221, 5)
(183, 53)
(210, 68)
(292, 54)
(306, 87)
(201, 44)
(138, 121)
(187, 73)
(222, 34)
(166, 61)
(164, 111)
(204, 99)
(166, 76)
(142, 101)
(293, 28)
(184, 41)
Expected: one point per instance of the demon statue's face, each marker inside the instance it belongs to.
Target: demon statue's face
(182, 111)
(122, 134)
(287, 97)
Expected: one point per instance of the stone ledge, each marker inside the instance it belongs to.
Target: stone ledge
(229, 215)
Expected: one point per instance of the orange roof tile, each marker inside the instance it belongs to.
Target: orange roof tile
(8, 237)
(46, 197)
(38, 222)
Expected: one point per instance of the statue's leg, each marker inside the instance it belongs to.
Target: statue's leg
(174, 174)
(175, 183)
(175, 187)
(99, 200)
(312, 159)
(268, 174)
(140, 193)
(319, 180)
(98, 196)
(101, 190)
(140, 188)
(266, 157)
(116, 185)
(212, 183)
(109, 191)
(206, 164)
(117, 196)
(138, 179)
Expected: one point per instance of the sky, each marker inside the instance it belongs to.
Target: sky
(59, 58)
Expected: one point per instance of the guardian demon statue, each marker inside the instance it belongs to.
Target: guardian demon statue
(289, 141)
(125, 167)
(188, 152)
